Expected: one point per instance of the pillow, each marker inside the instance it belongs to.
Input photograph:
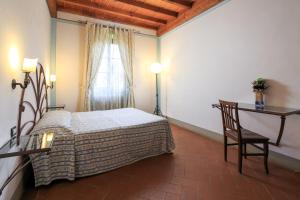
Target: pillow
(55, 119)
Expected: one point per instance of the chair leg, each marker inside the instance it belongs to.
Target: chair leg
(240, 149)
(266, 152)
(245, 151)
(225, 148)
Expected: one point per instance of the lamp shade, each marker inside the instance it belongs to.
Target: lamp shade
(156, 68)
(29, 65)
(52, 78)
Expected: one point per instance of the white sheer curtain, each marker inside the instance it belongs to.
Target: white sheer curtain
(110, 90)
(107, 81)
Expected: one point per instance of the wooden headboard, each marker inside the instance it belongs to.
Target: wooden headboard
(33, 107)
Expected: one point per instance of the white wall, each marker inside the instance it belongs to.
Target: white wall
(218, 54)
(25, 30)
(144, 79)
(70, 47)
(70, 41)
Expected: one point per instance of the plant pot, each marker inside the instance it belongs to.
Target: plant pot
(259, 100)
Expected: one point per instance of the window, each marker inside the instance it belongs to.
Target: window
(110, 83)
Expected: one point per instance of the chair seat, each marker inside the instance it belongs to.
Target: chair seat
(247, 136)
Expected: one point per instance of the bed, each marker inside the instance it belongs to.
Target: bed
(81, 143)
(64, 145)
(88, 143)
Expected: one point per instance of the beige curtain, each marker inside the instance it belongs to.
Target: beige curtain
(97, 37)
(124, 39)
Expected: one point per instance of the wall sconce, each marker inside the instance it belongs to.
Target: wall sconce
(52, 81)
(29, 65)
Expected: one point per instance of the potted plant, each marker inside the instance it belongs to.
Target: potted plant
(259, 86)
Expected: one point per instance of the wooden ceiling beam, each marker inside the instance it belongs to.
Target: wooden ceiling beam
(103, 16)
(199, 7)
(101, 7)
(184, 3)
(147, 6)
(52, 8)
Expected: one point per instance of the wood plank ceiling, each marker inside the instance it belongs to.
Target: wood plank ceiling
(159, 15)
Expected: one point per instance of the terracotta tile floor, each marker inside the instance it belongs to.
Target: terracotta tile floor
(196, 170)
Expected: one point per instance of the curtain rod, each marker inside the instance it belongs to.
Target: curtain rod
(109, 26)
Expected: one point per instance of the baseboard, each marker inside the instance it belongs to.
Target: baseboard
(277, 158)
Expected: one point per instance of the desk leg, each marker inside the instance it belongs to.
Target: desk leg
(282, 124)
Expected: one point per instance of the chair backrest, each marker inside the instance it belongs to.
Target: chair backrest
(230, 117)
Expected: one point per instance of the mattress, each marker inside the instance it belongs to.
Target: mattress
(88, 143)
(87, 122)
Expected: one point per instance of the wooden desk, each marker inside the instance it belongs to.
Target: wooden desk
(270, 110)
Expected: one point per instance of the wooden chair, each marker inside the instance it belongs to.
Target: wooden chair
(233, 130)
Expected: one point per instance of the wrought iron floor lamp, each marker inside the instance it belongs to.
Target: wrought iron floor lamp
(156, 68)
(157, 110)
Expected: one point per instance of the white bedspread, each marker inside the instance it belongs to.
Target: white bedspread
(87, 122)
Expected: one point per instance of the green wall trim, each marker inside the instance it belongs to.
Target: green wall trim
(274, 157)
(158, 59)
(53, 59)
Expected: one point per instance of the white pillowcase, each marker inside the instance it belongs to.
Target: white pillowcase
(55, 119)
